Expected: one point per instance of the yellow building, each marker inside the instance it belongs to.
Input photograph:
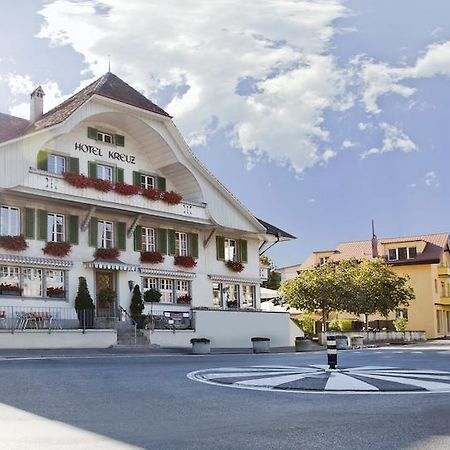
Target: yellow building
(425, 259)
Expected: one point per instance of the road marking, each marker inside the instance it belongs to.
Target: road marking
(320, 379)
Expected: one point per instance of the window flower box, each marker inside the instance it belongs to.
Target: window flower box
(232, 304)
(10, 289)
(15, 243)
(77, 180)
(172, 197)
(101, 185)
(185, 261)
(152, 257)
(152, 194)
(126, 189)
(235, 266)
(184, 299)
(58, 249)
(107, 253)
(56, 292)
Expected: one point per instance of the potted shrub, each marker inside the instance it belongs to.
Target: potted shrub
(152, 257)
(235, 266)
(152, 296)
(137, 307)
(184, 299)
(106, 253)
(106, 298)
(59, 249)
(84, 305)
(201, 346)
(185, 261)
(261, 344)
(15, 243)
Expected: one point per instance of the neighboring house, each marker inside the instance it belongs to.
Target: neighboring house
(135, 194)
(425, 259)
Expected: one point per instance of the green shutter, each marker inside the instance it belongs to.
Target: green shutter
(92, 169)
(72, 230)
(74, 165)
(171, 242)
(42, 160)
(220, 248)
(161, 183)
(243, 251)
(93, 231)
(193, 245)
(138, 238)
(119, 175)
(92, 133)
(121, 235)
(42, 233)
(137, 178)
(28, 222)
(162, 239)
(119, 140)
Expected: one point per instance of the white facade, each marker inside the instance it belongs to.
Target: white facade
(35, 195)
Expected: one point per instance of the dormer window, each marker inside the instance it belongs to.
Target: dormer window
(104, 137)
(323, 260)
(402, 253)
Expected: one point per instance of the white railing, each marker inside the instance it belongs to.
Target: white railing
(43, 183)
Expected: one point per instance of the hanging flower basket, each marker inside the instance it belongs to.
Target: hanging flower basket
(11, 289)
(126, 189)
(152, 257)
(79, 181)
(101, 185)
(59, 249)
(235, 266)
(184, 299)
(172, 197)
(56, 292)
(16, 243)
(152, 194)
(107, 253)
(185, 261)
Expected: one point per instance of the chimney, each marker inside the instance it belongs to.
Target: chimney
(36, 104)
(374, 242)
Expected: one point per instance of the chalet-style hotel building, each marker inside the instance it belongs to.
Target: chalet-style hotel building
(103, 186)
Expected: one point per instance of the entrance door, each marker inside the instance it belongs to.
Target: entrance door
(105, 279)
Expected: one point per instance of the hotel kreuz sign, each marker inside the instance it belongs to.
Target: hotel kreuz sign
(97, 151)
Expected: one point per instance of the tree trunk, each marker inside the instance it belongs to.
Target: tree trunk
(366, 321)
(324, 320)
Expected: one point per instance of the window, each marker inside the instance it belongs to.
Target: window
(248, 296)
(439, 321)
(231, 295)
(401, 253)
(10, 276)
(323, 260)
(435, 286)
(55, 228)
(231, 250)
(105, 234)
(56, 164)
(181, 244)
(54, 284)
(401, 313)
(148, 240)
(182, 287)
(104, 172)
(442, 289)
(104, 137)
(32, 282)
(166, 289)
(150, 283)
(147, 182)
(9, 221)
(217, 296)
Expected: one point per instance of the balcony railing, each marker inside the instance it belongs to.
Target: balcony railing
(43, 183)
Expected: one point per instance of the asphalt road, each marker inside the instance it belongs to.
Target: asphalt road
(105, 400)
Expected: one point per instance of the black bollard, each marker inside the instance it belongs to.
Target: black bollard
(331, 351)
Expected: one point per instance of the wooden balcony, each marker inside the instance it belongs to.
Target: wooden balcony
(48, 185)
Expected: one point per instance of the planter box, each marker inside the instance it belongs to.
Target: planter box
(357, 341)
(341, 342)
(201, 346)
(11, 293)
(261, 345)
(302, 344)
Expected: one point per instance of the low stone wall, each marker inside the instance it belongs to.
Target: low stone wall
(378, 337)
(42, 339)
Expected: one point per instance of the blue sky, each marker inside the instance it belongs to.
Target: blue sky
(317, 115)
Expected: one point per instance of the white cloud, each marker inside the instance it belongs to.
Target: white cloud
(347, 143)
(311, 200)
(328, 154)
(203, 50)
(363, 126)
(431, 179)
(412, 185)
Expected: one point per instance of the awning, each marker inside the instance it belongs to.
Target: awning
(111, 264)
(231, 279)
(35, 261)
(167, 273)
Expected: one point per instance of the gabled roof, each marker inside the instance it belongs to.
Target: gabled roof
(435, 245)
(275, 231)
(109, 86)
(12, 127)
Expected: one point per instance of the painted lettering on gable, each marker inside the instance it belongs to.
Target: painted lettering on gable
(97, 151)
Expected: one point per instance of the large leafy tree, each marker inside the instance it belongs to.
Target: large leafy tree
(273, 278)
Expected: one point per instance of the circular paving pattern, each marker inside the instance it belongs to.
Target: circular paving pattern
(314, 379)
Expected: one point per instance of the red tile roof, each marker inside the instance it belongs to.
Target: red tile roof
(12, 127)
(435, 245)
